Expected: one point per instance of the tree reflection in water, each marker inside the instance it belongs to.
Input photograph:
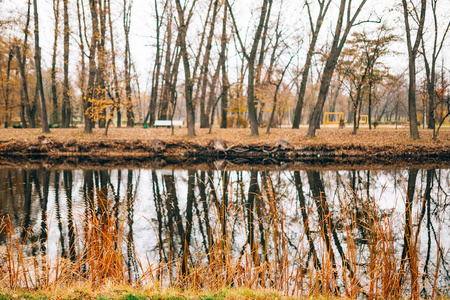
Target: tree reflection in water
(372, 233)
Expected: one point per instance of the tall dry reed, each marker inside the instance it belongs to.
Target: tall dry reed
(344, 250)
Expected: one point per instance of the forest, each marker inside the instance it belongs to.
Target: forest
(260, 64)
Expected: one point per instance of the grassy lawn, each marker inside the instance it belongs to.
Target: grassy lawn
(328, 136)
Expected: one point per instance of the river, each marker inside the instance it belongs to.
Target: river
(343, 229)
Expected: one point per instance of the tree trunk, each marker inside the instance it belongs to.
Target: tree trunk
(188, 86)
(251, 59)
(37, 60)
(307, 66)
(173, 79)
(335, 52)
(126, 26)
(225, 84)
(355, 118)
(55, 114)
(412, 114)
(101, 70)
(259, 66)
(251, 100)
(204, 113)
(83, 67)
(212, 101)
(412, 54)
(277, 85)
(26, 108)
(357, 103)
(369, 118)
(252, 117)
(314, 122)
(8, 89)
(431, 72)
(166, 90)
(116, 97)
(91, 85)
(431, 79)
(66, 109)
(156, 71)
(24, 104)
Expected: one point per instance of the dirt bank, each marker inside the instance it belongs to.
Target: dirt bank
(158, 146)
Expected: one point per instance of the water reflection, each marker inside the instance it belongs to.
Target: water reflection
(347, 232)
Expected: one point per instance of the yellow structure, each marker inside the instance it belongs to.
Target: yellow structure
(326, 118)
(363, 119)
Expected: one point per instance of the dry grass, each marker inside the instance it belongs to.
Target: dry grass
(329, 136)
(102, 259)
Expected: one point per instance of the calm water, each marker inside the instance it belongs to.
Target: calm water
(168, 212)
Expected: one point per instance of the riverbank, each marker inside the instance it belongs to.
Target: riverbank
(140, 146)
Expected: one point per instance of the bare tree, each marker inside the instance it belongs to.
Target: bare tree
(55, 115)
(277, 54)
(37, 60)
(339, 38)
(188, 85)
(101, 68)
(315, 29)
(66, 108)
(166, 88)
(430, 65)
(25, 104)
(126, 26)
(91, 85)
(25, 108)
(151, 115)
(204, 113)
(82, 34)
(275, 97)
(8, 89)
(251, 60)
(222, 59)
(412, 55)
(262, 55)
(116, 97)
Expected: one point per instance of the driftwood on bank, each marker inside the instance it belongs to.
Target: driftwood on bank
(122, 151)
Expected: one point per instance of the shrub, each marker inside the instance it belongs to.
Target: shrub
(234, 122)
(241, 122)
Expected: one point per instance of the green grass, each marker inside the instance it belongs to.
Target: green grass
(127, 293)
